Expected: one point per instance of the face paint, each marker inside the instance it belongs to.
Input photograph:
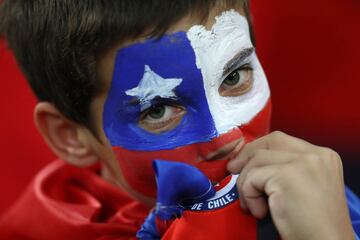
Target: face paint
(153, 86)
(184, 72)
(223, 49)
(154, 74)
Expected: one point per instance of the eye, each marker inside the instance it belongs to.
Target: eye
(237, 82)
(161, 118)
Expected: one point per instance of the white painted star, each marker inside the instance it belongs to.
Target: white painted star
(152, 85)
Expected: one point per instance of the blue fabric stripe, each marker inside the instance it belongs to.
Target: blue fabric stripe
(354, 209)
(149, 230)
(179, 184)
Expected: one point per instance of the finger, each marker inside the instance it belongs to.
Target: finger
(266, 158)
(260, 159)
(254, 190)
(275, 141)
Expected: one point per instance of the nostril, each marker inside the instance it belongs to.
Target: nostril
(220, 147)
(220, 154)
(224, 151)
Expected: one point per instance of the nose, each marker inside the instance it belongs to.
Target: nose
(221, 146)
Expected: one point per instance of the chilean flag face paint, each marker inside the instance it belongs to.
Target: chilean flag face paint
(172, 99)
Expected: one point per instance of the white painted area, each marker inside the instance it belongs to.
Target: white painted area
(151, 86)
(213, 49)
(226, 189)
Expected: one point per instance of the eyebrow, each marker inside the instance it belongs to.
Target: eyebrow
(236, 60)
(133, 102)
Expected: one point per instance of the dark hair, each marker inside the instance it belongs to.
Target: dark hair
(56, 43)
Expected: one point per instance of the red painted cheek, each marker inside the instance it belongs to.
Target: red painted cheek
(259, 125)
(137, 168)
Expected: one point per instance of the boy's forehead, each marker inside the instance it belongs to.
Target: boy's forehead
(185, 68)
(106, 62)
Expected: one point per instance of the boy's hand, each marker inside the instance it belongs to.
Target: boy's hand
(302, 185)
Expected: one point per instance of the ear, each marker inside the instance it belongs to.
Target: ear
(70, 141)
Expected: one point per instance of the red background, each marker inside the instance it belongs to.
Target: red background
(310, 52)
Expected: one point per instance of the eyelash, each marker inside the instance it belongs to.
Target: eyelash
(246, 66)
(238, 82)
(158, 102)
(146, 111)
(171, 115)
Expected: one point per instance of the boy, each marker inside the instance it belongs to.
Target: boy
(122, 83)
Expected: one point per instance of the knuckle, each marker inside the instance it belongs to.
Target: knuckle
(251, 150)
(251, 174)
(289, 171)
(335, 158)
(247, 147)
(248, 179)
(326, 152)
(260, 152)
(330, 155)
(277, 136)
(312, 161)
(251, 182)
(311, 157)
(334, 155)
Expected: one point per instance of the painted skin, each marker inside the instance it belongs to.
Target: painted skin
(220, 102)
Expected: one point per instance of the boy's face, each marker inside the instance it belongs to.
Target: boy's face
(195, 96)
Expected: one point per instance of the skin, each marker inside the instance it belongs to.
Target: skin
(279, 173)
(291, 178)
